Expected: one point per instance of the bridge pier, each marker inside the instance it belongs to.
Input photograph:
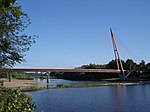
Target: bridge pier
(42, 74)
(9, 76)
(47, 77)
(122, 76)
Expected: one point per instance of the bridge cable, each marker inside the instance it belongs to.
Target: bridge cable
(127, 50)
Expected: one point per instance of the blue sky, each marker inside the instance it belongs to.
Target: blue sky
(76, 32)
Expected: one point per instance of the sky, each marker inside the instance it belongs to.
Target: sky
(76, 32)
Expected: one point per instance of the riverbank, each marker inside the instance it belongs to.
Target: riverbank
(20, 83)
(30, 85)
(95, 85)
(61, 86)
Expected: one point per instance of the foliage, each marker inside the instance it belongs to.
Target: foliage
(92, 66)
(64, 86)
(24, 76)
(146, 68)
(33, 88)
(139, 71)
(88, 85)
(142, 64)
(129, 64)
(15, 101)
(13, 42)
(112, 65)
(17, 76)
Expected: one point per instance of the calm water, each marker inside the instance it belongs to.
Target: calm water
(54, 82)
(98, 99)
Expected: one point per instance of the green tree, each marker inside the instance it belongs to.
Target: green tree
(142, 65)
(92, 66)
(112, 65)
(15, 101)
(146, 68)
(13, 42)
(130, 65)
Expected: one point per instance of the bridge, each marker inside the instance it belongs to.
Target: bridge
(60, 70)
(119, 69)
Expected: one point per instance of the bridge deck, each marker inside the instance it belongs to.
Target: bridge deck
(59, 70)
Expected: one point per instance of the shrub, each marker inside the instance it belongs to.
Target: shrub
(15, 101)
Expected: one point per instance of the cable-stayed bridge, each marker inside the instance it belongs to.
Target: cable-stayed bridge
(119, 69)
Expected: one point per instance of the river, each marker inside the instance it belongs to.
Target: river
(55, 82)
(135, 98)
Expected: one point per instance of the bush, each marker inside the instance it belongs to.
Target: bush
(15, 101)
(16, 75)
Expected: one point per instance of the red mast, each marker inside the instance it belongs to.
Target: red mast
(118, 60)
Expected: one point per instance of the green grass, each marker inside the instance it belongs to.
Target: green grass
(88, 85)
(32, 88)
(36, 88)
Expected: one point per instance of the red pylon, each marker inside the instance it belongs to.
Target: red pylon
(118, 60)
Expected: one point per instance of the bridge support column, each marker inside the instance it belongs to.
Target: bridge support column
(9, 76)
(122, 76)
(41, 73)
(47, 77)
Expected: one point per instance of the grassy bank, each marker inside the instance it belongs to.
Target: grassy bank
(88, 85)
(32, 88)
(37, 88)
(59, 86)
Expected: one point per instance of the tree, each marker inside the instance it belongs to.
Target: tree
(130, 65)
(13, 42)
(92, 66)
(142, 65)
(146, 68)
(15, 101)
(112, 65)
